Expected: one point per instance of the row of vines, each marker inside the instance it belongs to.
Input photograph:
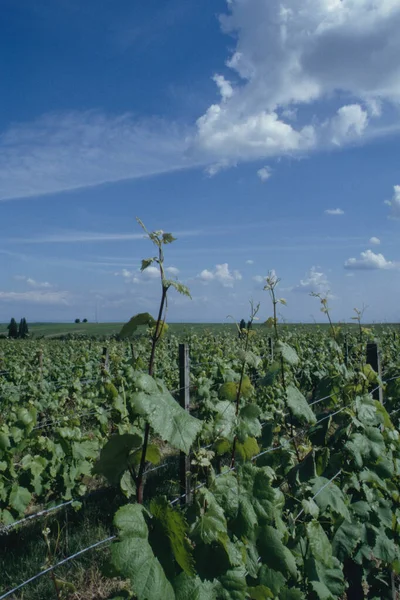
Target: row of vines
(295, 468)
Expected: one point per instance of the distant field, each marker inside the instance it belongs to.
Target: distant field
(107, 329)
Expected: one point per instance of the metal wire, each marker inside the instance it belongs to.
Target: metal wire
(59, 564)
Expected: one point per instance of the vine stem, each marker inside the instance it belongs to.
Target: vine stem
(155, 339)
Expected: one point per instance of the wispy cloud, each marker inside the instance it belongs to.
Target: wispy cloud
(32, 282)
(334, 211)
(37, 297)
(67, 151)
(73, 237)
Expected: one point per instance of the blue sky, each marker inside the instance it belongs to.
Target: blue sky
(264, 134)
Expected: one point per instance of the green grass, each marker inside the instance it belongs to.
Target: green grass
(108, 329)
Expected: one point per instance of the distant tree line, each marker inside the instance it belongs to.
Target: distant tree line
(83, 320)
(18, 331)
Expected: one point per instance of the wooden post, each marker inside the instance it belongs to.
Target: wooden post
(133, 352)
(184, 400)
(40, 356)
(346, 350)
(271, 349)
(105, 360)
(373, 359)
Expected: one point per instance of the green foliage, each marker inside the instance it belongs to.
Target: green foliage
(172, 423)
(133, 556)
(130, 328)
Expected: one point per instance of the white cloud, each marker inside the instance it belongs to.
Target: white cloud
(222, 274)
(264, 173)
(349, 123)
(38, 297)
(32, 282)
(151, 272)
(375, 241)
(301, 53)
(249, 262)
(224, 86)
(67, 151)
(369, 260)
(172, 271)
(259, 278)
(315, 281)
(334, 211)
(394, 203)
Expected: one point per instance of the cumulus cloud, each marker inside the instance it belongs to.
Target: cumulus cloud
(315, 281)
(299, 53)
(264, 173)
(394, 203)
(259, 278)
(348, 124)
(37, 297)
(249, 262)
(172, 271)
(222, 274)
(375, 241)
(368, 261)
(334, 211)
(150, 274)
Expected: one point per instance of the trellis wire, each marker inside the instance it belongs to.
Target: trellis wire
(318, 493)
(59, 564)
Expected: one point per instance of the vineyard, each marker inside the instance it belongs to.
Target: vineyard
(262, 464)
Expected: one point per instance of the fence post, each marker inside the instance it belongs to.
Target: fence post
(184, 400)
(133, 352)
(346, 350)
(271, 349)
(40, 357)
(374, 360)
(105, 360)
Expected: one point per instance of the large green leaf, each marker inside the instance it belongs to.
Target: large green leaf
(138, 320)
(288, 353)
(114, 457)
(299, 406)
(226, 491)
(233, 585)
(193, 588)
(319, 543)
(346, 539)
(249, 424)
(274, 553)
(19, 499)
(274, 580)
(210, 526)
(133, 556)
(176, 529)
(328, 496)
(171, 422)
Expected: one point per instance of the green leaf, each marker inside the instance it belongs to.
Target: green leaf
(179, 287)
(260, 592)
(133, 556)
(168, 238)
(175, 527)
(384, 549)
(273, 552)
(20, 498)
(191, 588)
(171, 422)
(127, 484)
(233, 585)
(226, 492)
(114, 457)
(346, 539)
(288, 353)
(146, 262)
(249, 424)
(225, 419)
(248, 357)
(248, 449)
(210, 526)
(291, 594)
(310, 507)
(141, 319)
(329, 496)
(319, 543)
(274, 580)
(153, 455)
(299, 406)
